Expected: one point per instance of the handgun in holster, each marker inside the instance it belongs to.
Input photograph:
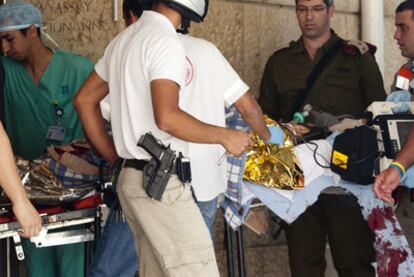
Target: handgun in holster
(158, 170)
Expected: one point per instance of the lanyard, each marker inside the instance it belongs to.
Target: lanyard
(58, 112)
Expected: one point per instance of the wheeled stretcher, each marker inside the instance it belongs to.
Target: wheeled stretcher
(83, 216)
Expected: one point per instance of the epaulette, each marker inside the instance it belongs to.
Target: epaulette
(356, 47)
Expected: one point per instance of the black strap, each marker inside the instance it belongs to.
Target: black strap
(137, 164)
(315, 73)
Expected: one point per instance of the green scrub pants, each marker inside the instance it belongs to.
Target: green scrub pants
(55, 261)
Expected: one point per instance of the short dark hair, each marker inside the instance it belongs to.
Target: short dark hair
(327, 2)
(407, 5)
(132, 6)
(24, 31)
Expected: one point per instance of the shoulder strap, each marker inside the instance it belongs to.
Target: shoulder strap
(313, 76)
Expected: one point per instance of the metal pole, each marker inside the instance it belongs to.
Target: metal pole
(240, 252)
(97, 223)
(228, 238)
(8, 261)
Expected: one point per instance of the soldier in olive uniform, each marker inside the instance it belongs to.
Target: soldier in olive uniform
(348, 83)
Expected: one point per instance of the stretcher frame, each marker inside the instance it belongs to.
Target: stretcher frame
(89, 219)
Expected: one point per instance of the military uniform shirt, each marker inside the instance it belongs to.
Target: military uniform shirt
(347, 85)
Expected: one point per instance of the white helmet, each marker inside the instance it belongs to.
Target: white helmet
(194, 10)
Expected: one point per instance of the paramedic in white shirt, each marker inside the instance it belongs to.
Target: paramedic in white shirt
(145, 64)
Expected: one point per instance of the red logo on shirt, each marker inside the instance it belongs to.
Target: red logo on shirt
(190, 71)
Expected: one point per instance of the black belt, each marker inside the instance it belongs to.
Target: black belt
(137, 164)
(140, 164)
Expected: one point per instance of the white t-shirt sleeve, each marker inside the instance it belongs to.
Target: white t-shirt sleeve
(102, 66)
(232, 86)
(106, 108)
(167, 60)
(101, 69)
(233, 93)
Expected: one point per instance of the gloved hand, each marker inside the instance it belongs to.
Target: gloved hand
(277, 135)
(399, 96)
(402, 108)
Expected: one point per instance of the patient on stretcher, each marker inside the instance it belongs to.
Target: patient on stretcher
(278, 166)
(64, 174)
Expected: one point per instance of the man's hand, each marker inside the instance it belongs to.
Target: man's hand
(28, 218)
(402, 108)
(236, 142)
(399, 96)
(386, 182)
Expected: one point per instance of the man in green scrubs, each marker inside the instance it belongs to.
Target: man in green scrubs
(38, 112)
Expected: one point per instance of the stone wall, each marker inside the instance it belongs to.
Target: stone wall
(247, 32)
(81, 26)
(256, 28)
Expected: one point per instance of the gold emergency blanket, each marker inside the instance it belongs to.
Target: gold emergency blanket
(42, 187)
(272, 165)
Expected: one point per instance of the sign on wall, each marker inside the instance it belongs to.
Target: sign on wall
(80, 26)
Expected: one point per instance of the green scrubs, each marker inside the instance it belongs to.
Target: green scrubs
(29, 110)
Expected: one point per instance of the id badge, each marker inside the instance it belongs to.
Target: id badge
(56, 133)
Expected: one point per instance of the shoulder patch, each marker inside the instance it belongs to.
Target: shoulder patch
(405, 66)
(354, 47)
